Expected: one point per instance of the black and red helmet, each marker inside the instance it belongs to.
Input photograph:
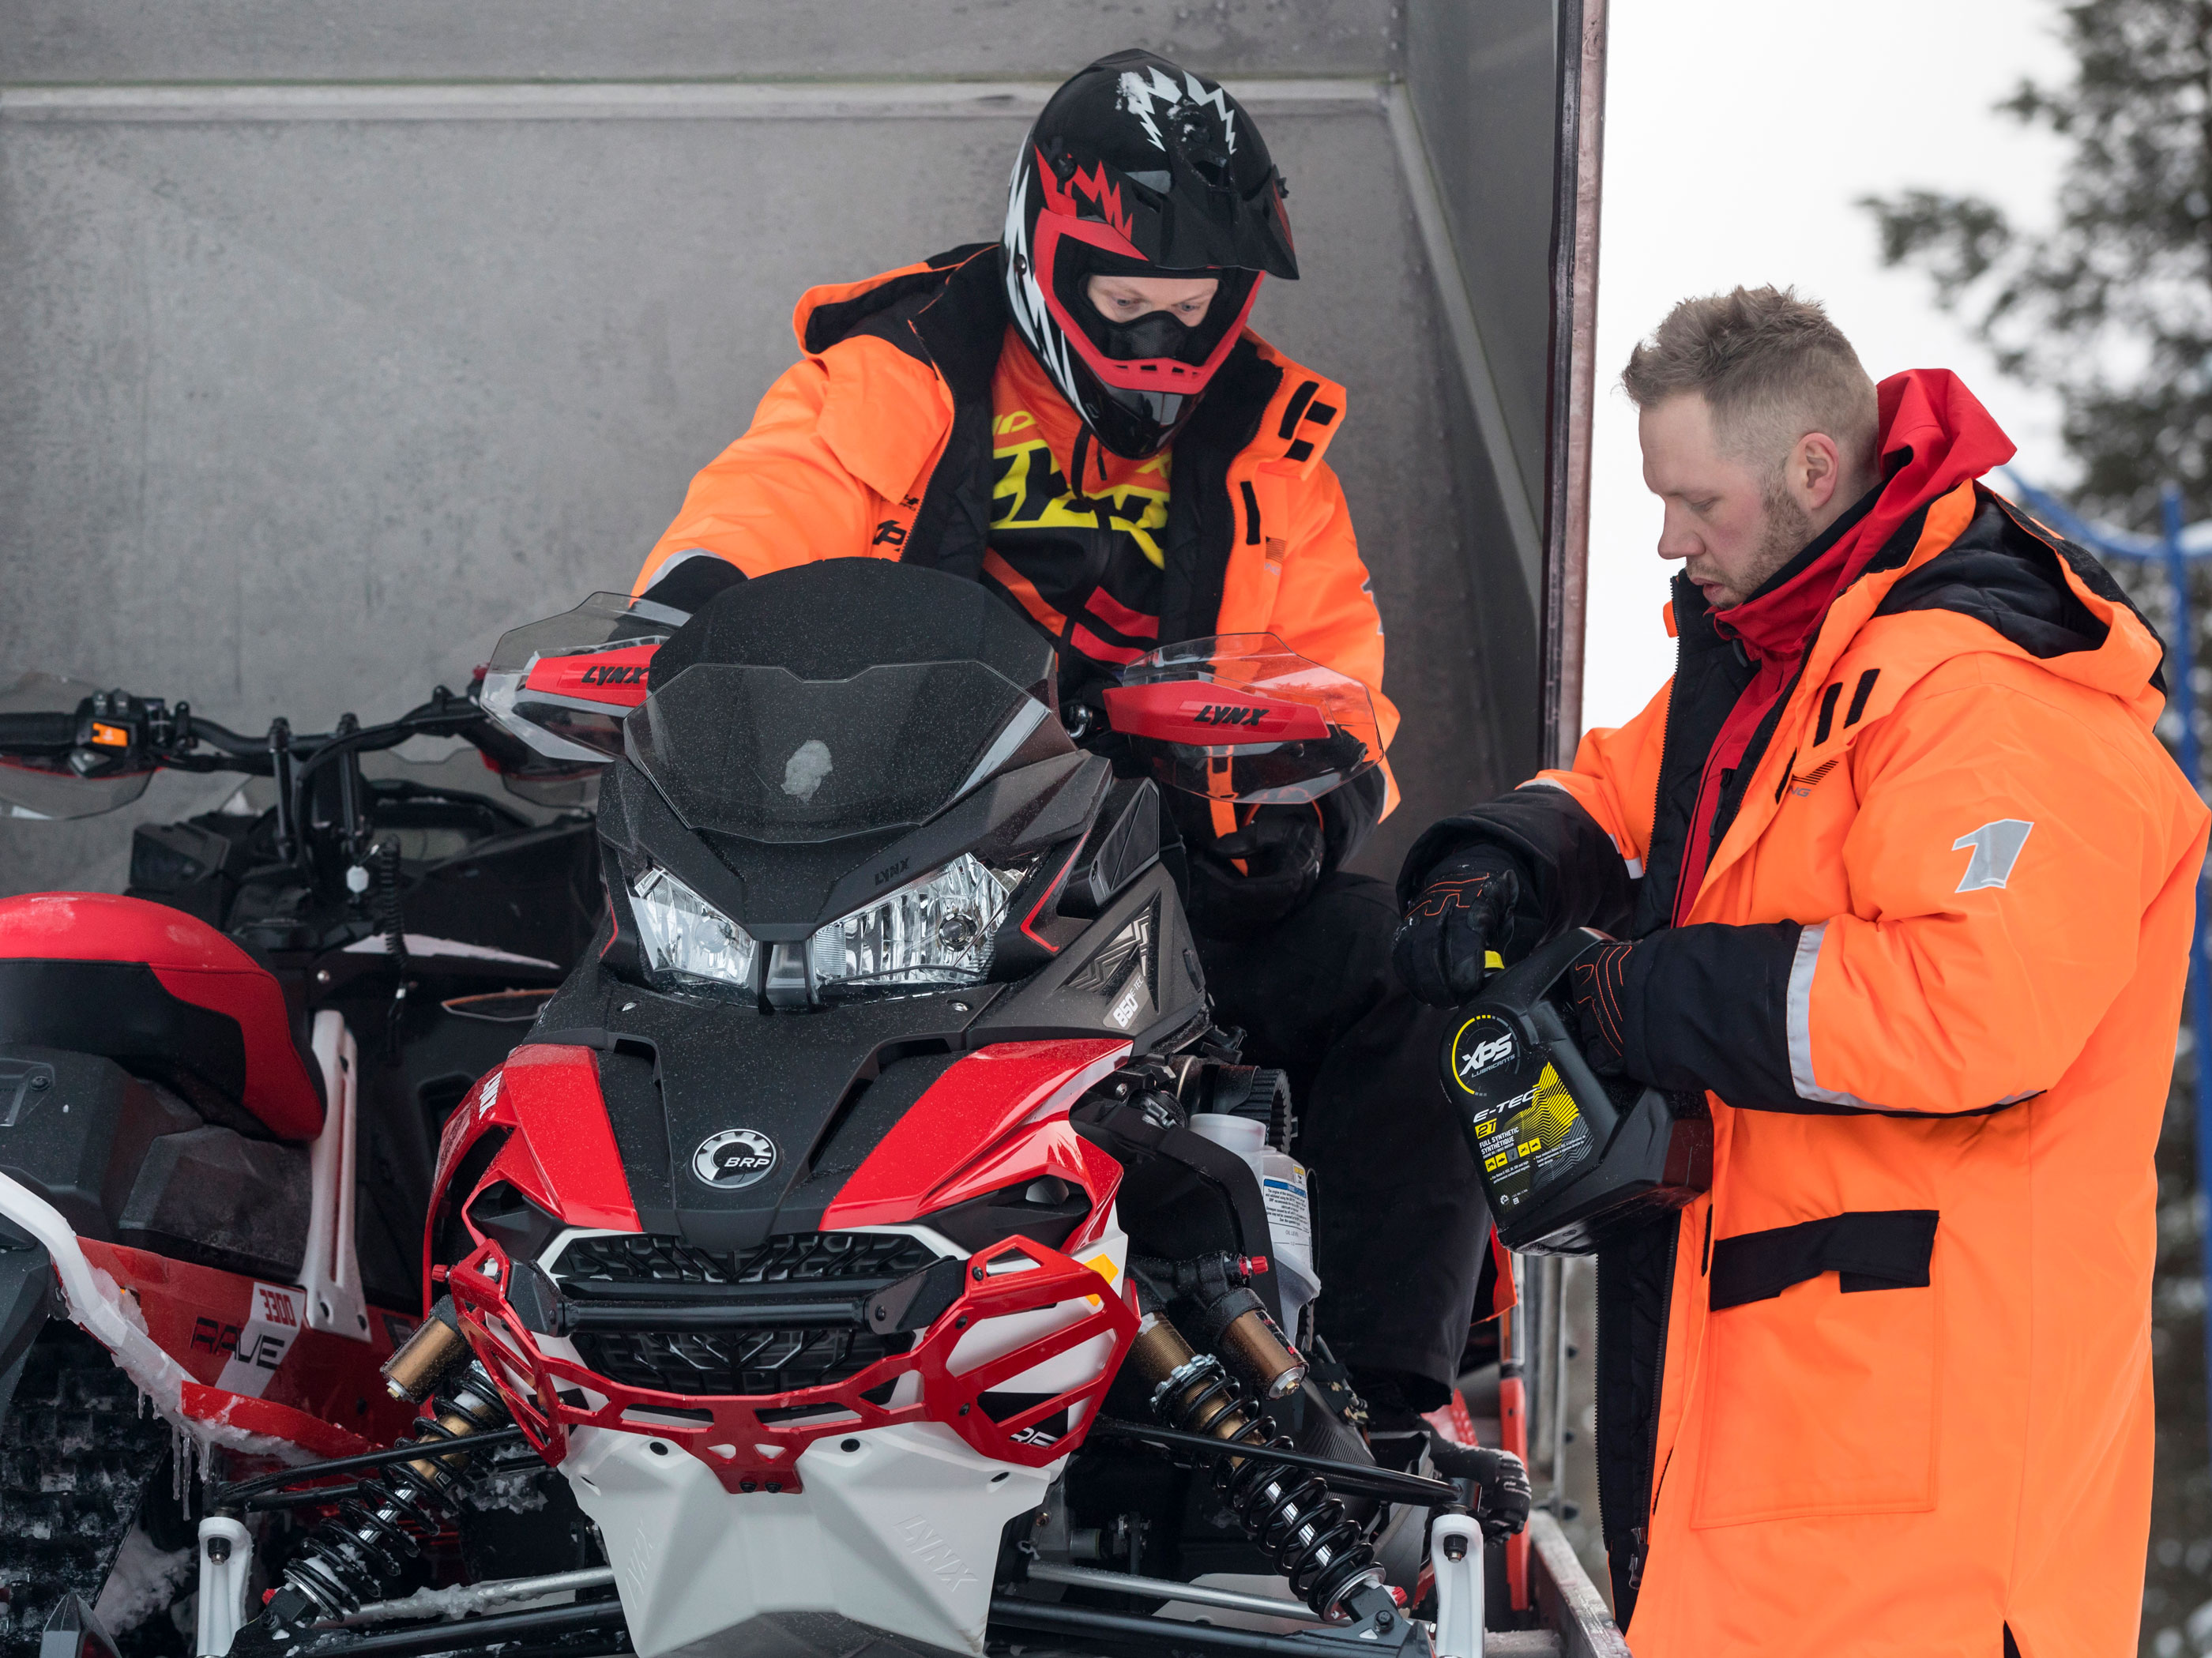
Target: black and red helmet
(1137, 167)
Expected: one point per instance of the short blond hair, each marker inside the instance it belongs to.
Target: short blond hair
(1772, 368)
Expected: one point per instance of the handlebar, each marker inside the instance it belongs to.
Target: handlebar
(101, 753)
(159, 736)
(38, 733)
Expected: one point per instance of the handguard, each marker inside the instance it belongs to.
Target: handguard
(1569, 1159)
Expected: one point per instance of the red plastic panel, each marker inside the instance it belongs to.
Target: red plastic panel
(616, 678)
(262, 1416)
(319, 1391)
(552, 1096)
(1208, 715)
(957, 1126)
(195, 963)
(99, 926)
(561, 1154)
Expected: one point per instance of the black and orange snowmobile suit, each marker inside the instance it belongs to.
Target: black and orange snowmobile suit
(1886, 1388)
(878, 443)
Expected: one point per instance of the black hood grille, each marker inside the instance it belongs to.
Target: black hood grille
(839, 1258)
(737, 1361)
(752, 1361)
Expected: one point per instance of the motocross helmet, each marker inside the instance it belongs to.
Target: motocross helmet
(1137, 167)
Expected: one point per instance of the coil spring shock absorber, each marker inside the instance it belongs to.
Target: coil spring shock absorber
(356, 1555)
(1287, 1511)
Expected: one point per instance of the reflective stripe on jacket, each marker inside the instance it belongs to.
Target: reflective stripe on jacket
(1887, 1389)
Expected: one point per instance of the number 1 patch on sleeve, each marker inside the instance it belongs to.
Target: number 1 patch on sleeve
(1997, 849)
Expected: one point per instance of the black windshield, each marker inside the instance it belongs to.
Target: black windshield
(761, 753)
(847, 697)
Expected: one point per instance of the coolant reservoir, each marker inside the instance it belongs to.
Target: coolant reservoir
(1290, 1219)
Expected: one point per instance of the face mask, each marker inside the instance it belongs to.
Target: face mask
(1155, 334)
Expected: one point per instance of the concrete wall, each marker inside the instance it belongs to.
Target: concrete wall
(300, 413)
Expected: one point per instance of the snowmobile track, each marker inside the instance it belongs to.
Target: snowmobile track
(76, 1455)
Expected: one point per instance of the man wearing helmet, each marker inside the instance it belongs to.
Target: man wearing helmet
(1079, 417)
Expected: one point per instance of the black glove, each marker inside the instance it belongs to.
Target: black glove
(1281, 849)
(1461, 915)
(1501, 1498)
(1598, 982)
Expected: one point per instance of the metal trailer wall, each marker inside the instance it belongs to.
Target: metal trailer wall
(336, 339)
(1481, 111)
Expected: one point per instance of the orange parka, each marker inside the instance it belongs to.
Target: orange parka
(877, 442)
(1887, 1389)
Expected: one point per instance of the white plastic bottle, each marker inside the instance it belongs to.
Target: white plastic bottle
(1290, 1218)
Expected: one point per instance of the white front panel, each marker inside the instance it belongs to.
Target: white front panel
(901, 1533)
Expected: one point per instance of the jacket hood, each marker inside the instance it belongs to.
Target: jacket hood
(2046, 597)
(2043, 596)
(1935, 435)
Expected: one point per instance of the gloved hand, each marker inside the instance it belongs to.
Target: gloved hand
(1501, 1498)
(1460, 916)
(1281, 849)
(1596, 981)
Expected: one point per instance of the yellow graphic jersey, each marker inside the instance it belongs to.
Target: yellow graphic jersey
(1031, 492)
(1086, 564)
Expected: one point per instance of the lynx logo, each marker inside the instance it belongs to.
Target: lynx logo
(933, 1554)
(615, 673)
(1216, 713)
(735, 1157)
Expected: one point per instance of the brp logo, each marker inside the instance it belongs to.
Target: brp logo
(735, 1157)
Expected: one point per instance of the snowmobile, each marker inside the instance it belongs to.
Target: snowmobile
(874, 1235)
(220, 1097)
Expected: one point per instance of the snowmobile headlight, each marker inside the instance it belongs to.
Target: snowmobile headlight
(689, 944)
(936, 933)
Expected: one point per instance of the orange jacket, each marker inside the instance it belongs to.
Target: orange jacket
(1887, 1389)
(877, 442)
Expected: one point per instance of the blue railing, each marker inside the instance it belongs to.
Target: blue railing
(2174, 549)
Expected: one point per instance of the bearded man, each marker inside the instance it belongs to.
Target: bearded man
(1902, 884)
